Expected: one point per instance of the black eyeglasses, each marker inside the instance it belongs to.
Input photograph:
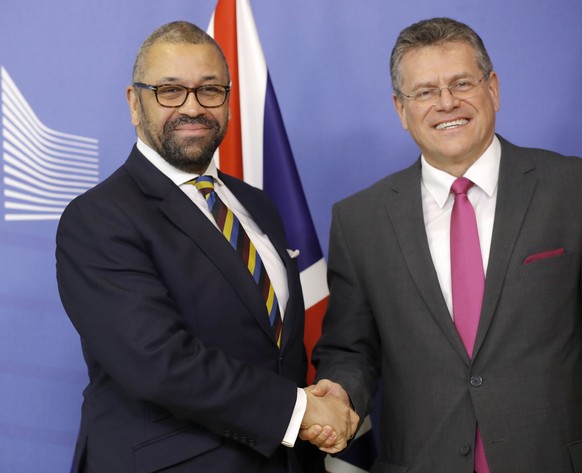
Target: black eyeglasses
(174, 96)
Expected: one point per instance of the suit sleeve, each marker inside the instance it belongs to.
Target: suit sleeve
(348, 350)
(133, 333)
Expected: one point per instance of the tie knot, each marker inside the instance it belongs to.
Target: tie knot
(461, 186)
(205, 184)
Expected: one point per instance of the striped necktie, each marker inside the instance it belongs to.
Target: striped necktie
(234, 232)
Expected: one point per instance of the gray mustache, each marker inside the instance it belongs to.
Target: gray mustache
(192, 121)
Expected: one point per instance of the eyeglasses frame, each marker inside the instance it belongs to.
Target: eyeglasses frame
(194, 90)
(440, 89)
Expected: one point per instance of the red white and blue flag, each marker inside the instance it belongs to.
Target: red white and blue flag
(256, 149)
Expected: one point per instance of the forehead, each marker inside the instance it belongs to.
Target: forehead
(183, 62)
(430, 63)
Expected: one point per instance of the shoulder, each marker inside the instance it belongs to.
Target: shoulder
(135, 183)
(552, 170)
(381, 190)
(539, 156)
(123, 195)
(103, 191)
(118, 191)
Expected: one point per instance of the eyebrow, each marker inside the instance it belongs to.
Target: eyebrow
(456, 77)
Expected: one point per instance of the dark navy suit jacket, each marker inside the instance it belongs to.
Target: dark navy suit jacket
(185, 374)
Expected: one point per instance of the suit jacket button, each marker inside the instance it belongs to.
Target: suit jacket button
(227, 433)
(252, 443)
(476, 381)
(465, 449)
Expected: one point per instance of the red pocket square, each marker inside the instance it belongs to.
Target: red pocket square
(544, 255)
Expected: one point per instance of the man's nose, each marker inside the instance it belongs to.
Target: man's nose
(446, 100)
(191, 106)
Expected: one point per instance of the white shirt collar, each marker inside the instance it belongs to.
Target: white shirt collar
(176, 175)
(484, 173)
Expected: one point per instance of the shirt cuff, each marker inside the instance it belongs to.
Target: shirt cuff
(296, 418)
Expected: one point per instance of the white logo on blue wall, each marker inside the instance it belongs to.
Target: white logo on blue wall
(43, 169)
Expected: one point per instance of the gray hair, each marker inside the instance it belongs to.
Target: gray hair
(177, 32)
(435, 31)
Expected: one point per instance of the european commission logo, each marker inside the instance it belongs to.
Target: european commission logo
(43, 169)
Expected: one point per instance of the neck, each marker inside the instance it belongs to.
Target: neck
(456, 169)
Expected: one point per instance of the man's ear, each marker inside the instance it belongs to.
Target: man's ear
(399, 105)
(133, 102)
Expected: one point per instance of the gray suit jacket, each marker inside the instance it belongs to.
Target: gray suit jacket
(387, 319)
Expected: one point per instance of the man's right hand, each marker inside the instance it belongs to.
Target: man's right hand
(329, 422)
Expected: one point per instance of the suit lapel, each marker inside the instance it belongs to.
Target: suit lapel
(184, 214)
(516, 187)
(404, 207)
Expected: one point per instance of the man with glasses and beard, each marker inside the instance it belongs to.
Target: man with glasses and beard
(179, 281)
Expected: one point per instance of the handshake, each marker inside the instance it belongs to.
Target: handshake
(329, 422)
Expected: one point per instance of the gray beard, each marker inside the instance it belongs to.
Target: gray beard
(183, 157)
(193, 154)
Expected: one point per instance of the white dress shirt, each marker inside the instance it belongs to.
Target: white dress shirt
(273, 264)
(437, 205)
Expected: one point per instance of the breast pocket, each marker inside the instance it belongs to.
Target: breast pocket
(547, 264)
(541, 298)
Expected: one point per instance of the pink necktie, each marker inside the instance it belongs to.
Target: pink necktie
(468, 282)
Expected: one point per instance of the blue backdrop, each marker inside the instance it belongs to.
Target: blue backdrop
(328, 59)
